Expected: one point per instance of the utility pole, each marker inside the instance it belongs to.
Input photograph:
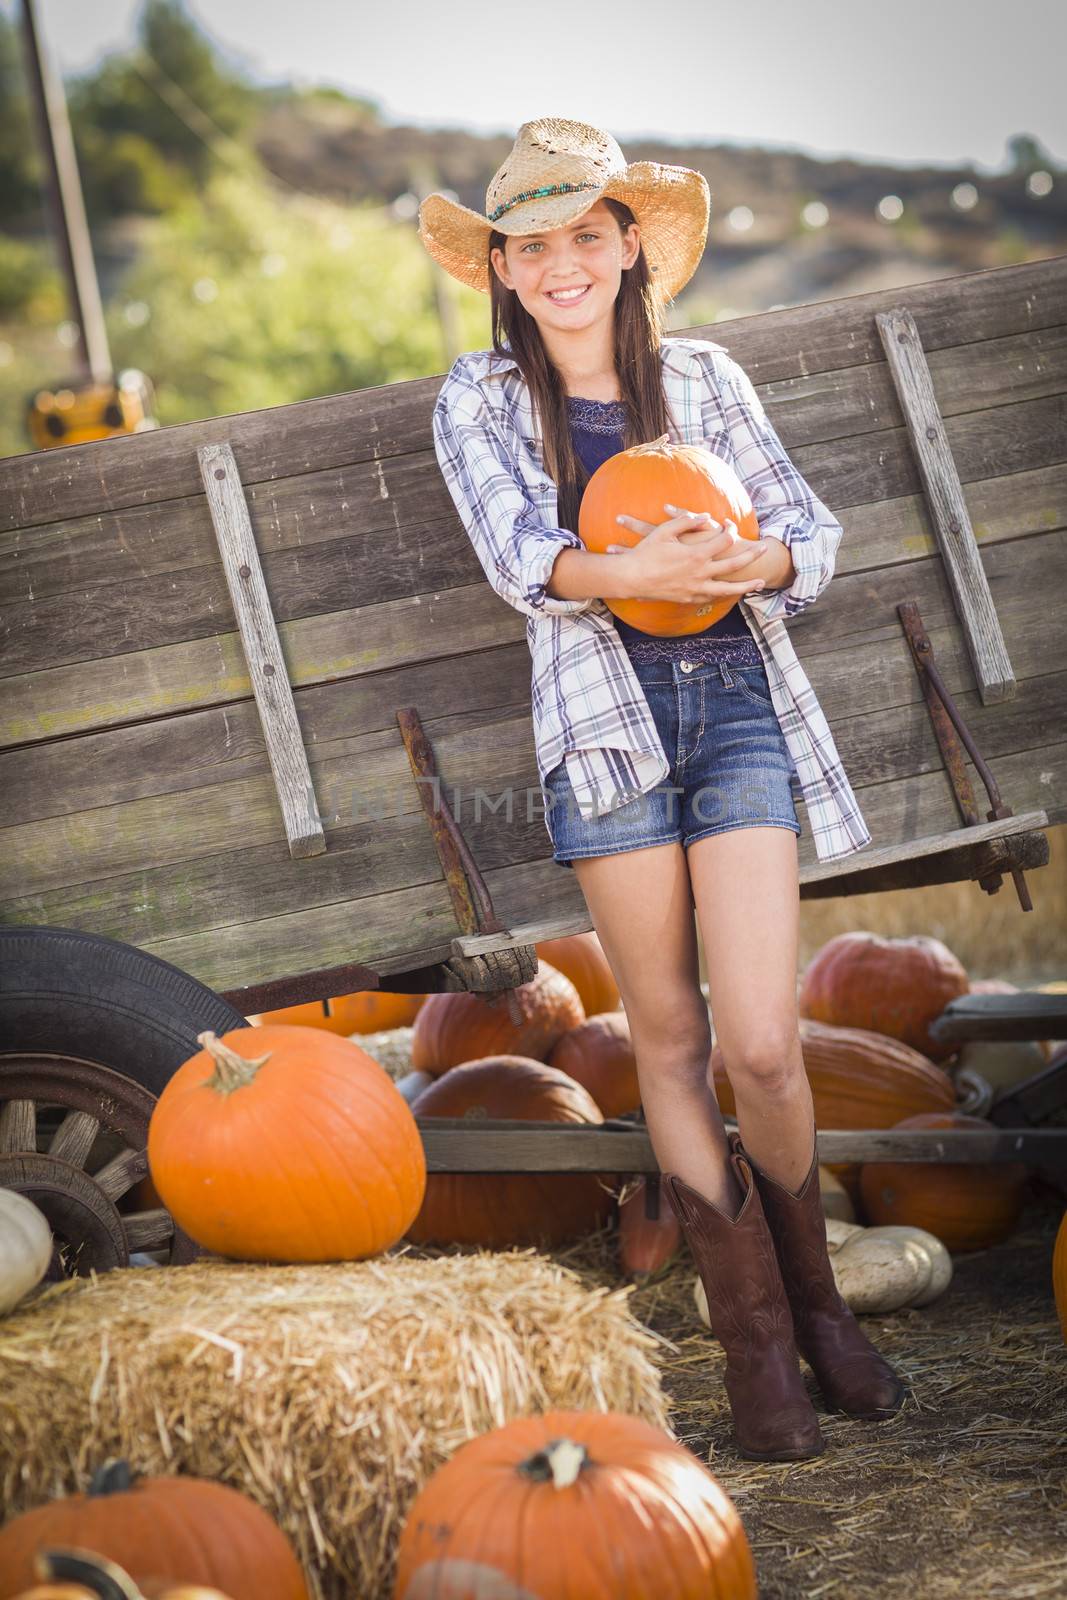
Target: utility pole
(67, 207)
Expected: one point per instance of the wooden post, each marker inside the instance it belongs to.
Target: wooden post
(959, 548)
(263, 650)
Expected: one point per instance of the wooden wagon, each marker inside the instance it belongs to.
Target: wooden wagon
(259, 701)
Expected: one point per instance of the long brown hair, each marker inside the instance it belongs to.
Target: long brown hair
(639, 326)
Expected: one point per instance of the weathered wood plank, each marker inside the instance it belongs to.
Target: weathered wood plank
(391, 498)
(452, 1145)
(262, 651)
(959, 548)
(270, 906)
(393, 419)
(148, 683)
(1029, 1015)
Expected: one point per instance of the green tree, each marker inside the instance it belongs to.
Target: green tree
(21, 173)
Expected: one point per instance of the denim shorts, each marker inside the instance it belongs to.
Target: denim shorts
(730, 765)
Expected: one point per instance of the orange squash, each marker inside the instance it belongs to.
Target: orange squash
(308, 1014)
(457, 1027)
(580, 957)
(501, 1209)
(590, 1503)
(647, 1243)
(599, 1054)
(891, 986)
(183, 1530)
(1059, 1275)
(967, 1205)
(640, 482)
(858, 1079)
(372, 1010)
(286, 1144)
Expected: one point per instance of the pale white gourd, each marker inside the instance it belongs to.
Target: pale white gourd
(412, 1084)
(880, 1274)
(25, 1248)
(1002, 1062)
(839, 1232)
(940, 1260)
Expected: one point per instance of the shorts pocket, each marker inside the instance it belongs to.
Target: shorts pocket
(752, 681)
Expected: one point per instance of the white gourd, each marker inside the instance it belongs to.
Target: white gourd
(412, 1084)
(880, 1274)
(941, 1261)
(25, 1248)
(836, 1200)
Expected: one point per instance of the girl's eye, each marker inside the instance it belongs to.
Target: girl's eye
(536, 243)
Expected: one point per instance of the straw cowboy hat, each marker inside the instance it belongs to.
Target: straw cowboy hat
(557, 169)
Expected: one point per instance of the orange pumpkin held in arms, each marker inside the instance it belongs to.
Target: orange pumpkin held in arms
(640, 482)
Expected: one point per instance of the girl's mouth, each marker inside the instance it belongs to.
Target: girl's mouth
(569, 299)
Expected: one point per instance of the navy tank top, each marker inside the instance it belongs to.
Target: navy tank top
(598, 430)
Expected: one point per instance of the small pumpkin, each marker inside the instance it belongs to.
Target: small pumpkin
(580, 957)
(286, 1144)
(372, 1011)
(181, 1530)
(647, 1242)
(526, 1021)
(967, 1205)
(25, 1247)
(1059, 1275)
(641, 481)
(891, 986)
(599, 1054)
(664, 1526)
(498, 1209)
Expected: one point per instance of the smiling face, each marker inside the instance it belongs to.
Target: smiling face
(588, 254)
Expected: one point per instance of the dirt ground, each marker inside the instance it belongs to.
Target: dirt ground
(962, 1493)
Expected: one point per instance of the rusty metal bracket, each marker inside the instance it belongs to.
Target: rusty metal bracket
(949, 729)
(472, 903)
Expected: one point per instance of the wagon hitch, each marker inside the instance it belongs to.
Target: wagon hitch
(993, 856)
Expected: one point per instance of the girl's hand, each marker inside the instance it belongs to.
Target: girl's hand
(686, 558)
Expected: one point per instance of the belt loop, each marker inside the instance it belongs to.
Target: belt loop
(724, 673)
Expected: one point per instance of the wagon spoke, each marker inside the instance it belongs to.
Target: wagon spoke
(74, 1137)
(121, 1173)
(149, 1230)
(18, 1126)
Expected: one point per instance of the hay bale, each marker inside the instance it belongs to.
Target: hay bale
(390, 1047)
(330, 1394)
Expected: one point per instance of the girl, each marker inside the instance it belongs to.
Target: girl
(580, 254)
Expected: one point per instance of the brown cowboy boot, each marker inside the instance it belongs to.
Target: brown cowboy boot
(774, 1419)
(853, 1377)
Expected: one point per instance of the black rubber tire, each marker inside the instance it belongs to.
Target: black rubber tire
(79, 994)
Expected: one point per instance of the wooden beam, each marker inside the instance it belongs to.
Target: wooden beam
(263, 650)
(453, 1145)
(952, 523)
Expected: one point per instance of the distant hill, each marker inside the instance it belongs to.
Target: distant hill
(332, 147)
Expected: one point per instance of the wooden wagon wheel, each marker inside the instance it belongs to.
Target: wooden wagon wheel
(72, 1139)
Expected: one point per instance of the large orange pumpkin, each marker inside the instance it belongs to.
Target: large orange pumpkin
(640, 482)
(599, 1054)
(186, 1530)
(308, 1014)
(1059, 1275)
(497, 1209)
(580, 957)
(286, 1144)
(457, 1027)
(597, 1504)
(968, 1205)
(858, 1079)
(891, 986)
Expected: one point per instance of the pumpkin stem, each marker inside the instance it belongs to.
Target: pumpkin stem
(559, 1462)
(232, 1070)
(114, 1477)
(95, 1573)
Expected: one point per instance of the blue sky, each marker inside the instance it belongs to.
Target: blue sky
(944, 82)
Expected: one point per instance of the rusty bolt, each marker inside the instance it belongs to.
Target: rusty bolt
(220, 472)
(268, 669)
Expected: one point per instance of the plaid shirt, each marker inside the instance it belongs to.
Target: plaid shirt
(588, 706)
